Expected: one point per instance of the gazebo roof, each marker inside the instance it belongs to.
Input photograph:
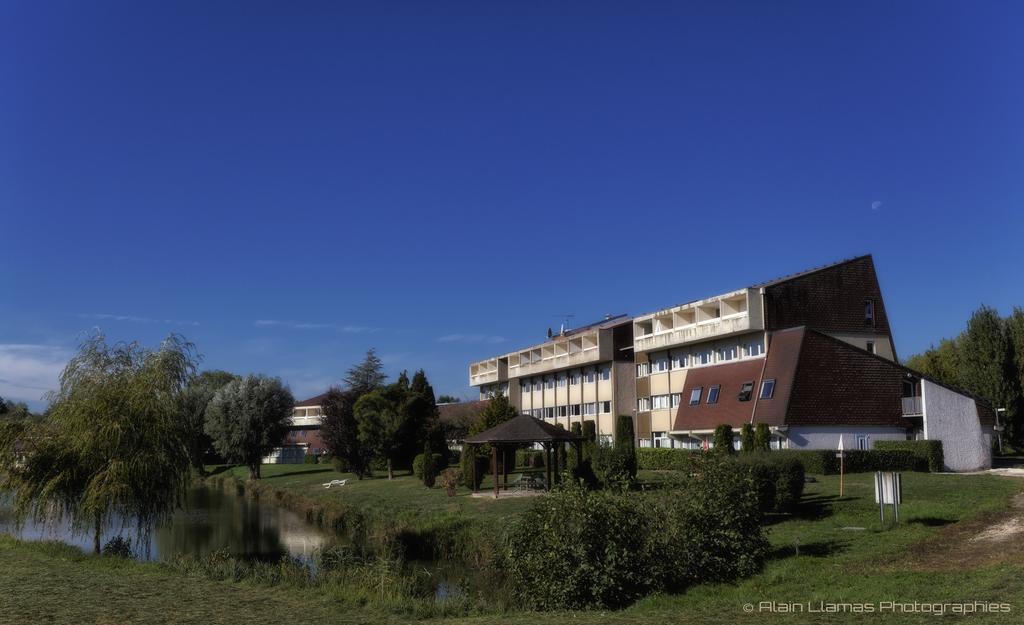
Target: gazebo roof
(523, 429)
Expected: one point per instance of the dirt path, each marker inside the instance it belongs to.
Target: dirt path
(987, 540)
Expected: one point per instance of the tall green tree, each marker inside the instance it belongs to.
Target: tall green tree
(986, 359)
(339, 431)
(367, 375)
(762, 437)
(247, 418)
(941, 363)
(194, 400)
(1015, 336)
(113, 443)
(382, 426)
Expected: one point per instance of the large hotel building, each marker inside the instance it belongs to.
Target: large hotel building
(811, 355)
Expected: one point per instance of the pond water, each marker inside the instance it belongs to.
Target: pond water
(211, 519)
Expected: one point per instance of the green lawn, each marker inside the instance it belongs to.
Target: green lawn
(927, 559)
(403, 496)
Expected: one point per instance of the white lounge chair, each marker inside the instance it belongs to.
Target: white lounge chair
(335, 483)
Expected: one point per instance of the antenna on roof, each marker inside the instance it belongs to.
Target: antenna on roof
(565, 323)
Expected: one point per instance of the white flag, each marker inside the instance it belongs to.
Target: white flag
(840, 442)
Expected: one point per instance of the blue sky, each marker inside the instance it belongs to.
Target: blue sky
(288, 184)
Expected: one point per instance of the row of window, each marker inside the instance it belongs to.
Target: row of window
(588, 409)
(663, 402)
(561, 380)
(663, 362)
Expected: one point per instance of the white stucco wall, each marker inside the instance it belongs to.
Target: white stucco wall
(953, 419)
(828, 437)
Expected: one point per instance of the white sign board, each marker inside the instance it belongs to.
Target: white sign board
(888, 488)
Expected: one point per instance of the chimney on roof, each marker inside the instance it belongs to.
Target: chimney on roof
(550, 333)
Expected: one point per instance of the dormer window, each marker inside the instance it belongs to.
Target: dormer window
(695, 396)
(869, 312)
(746, 391)
(713, 394)
(767, 389)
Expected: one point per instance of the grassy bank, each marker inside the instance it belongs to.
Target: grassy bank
(831, 550)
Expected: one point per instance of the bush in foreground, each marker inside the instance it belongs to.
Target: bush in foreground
(569, 550)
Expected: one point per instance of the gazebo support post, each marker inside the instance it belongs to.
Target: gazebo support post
(547, 465)
(504, 466)
(494, 468)
(471, 450)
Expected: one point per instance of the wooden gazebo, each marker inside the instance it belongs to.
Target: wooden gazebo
(524, 430)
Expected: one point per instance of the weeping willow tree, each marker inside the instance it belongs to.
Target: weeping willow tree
(114, 444)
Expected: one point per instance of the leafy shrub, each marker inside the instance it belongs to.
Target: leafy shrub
(825, 462)
(747, 438)
(454, 457)
(613, 467)
(310, 458)
(778, 479)
(450, 480)
(340, 464)
(469, 459)
(589, 431)
(723, 438)
(762, 437)
(930, 451)
(118, 547)
(418, 461)
(625, 440)
(655, 459)
(709, 532)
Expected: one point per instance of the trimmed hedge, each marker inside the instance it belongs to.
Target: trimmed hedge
(656, 459)
(779, 479)
(930, 451)
(417, 465)
(825, 462)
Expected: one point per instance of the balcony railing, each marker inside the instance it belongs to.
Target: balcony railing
(485, 377)
(913, 406)
(588, 355)
(694, 332)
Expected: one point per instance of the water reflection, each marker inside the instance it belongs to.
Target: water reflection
(211, 519)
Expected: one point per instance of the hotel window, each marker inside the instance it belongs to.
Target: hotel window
(574, 410)
(869, 312)
(643, 404)
(549, 383)
(677, 399)
(645, 442)
(661, 440)
(588, 376)
(753, 349)
(870, 345)
(563, 411)
(606, 373)
(746, 391)
(643, 369)
(704, 357)
(680, 361)
(660, 402)
(695, 395)
(589, 409)
(574, 378)
(659, 365)
(606, 407)
(863, 442)
(562, 380)
(713, 394)
(726, 353)
(767, 389)
(549, 413)
(524, 386)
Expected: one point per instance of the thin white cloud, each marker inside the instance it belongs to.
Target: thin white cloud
(471, 338)
(307, 325)
(27, 372)
(134, 319)
(877, 204)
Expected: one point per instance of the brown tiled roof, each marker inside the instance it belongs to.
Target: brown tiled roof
(806, 272)
(523, 429)
(728, 409)
(461, 411)
(819, 381)
(316, 400)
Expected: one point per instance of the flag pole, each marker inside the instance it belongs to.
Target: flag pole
(841, 467)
